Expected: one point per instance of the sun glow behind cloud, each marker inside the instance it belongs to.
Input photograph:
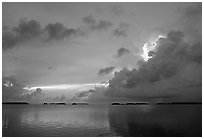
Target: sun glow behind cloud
(150, 46)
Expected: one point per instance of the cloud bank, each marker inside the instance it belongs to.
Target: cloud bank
(31, 29)
(175, 71)
(28, 30)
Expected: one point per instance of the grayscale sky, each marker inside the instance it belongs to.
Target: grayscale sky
(75, 43)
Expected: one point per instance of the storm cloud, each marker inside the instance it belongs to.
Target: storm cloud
(175, 68)
(174, 73)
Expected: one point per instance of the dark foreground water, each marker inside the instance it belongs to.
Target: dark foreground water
(101, 120)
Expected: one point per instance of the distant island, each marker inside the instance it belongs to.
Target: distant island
(158, 103)
(63, 103)
(54, 103)
(15, 102)
(79, 103)
(130, 103)
(172, 103)
(113, 103)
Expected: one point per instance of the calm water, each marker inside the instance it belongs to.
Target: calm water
(102, 120)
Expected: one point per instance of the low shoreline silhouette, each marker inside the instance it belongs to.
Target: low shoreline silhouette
(113, 103)
(158, 103)
(15, 102)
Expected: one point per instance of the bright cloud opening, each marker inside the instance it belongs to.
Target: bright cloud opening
(66, 86)
(150, 46)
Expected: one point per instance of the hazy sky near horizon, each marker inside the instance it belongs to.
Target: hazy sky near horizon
(44, 54)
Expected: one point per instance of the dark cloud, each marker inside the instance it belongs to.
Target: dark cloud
(175, 70)
(9, 40)
(26, 30)
(175, 36)
(89, 20)
(58, 31)
(31, 29)
(93, 24)
(122, 51)
(106, 70)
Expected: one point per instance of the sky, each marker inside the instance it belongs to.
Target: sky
(50, 44)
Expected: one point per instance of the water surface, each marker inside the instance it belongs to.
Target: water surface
(101, 120)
